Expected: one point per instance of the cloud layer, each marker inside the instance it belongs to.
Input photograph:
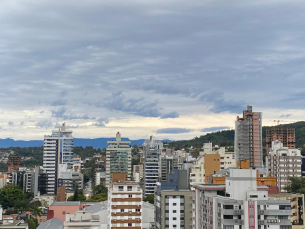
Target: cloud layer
(147, 68)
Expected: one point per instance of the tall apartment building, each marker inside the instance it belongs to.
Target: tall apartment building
(138, 172)
(239, 204)
(124, 203)
(151, 151)
(210, 162)
(284, 163)
(118, 158)
(248, 138)
(286, 135)
(57, 149)
(174, 202)
(167, 165)
(29, 180)
(70, 178)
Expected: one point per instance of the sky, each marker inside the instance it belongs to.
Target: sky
(172, 69)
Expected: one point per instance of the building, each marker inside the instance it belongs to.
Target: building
(168, 163)
(286, 135)
(70, 178)
(13, 177)
(248, 138)
(173, 202)
(297, 207)
(118, 158)
(284, 163)
(51, 224)
(82, 219)
(138, 172)
(60, 209)
(124, 203)
(29, 181)
(151, 151)
(3, 180)
(57, 149)
(261, 179)
(100, 178)
(239, 204)
(210, 162)
(13, 163)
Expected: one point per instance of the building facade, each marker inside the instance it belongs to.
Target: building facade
(151, 151)
(124, 204)
(167, 165)
(239, 204)
(57, 149)
(248, 138)
(284, 163)
(286, 135)
(174, 202)
(118, 158)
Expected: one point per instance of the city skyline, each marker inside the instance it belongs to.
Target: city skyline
(174, 71)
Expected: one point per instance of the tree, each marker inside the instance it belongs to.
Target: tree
(100, 189)
(150, 198)
(78, 195)
(10, 195)
(297, 185)
(32, 222)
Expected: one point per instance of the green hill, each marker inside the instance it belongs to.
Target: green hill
(226, 137)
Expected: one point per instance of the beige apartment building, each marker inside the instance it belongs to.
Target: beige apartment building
(124, 203)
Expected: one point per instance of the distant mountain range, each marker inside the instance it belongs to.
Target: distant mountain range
(95, 142)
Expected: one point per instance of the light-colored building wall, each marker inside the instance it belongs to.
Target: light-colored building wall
(124, 205)
(284, 163)
(82, 219)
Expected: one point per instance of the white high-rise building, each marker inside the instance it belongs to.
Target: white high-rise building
(284, 163)
(118, 158)
(152, 151)
(57, 149)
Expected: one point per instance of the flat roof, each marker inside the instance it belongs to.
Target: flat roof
(65, 203)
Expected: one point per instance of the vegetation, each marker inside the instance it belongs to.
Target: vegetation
(11, 195)
(226, 138)
(150, 198)
(78, 195)
(100, 194)
(88, 151)
(297, 185)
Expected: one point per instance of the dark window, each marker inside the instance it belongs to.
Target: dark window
(174, 204)
(174, 218)
(174, 211)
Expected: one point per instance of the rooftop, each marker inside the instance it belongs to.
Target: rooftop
(66, 203)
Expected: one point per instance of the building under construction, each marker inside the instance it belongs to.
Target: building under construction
(284, 134)
(13, 163)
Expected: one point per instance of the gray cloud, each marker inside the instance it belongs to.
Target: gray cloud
(101, 122)
(285, 115)
(119, 102)
(160, 56)
(172, 114)
(59, 102)
(215, 128)
(173, 131)
(10, 123)
(44, 124)
(67, 115)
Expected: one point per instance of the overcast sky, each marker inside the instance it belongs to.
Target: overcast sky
(173, 69)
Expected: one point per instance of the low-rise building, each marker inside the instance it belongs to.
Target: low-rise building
(240, 203)
(82, 219)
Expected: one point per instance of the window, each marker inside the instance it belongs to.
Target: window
(129, 224)
(138, 210)
(174, 218)
(174, 204)
(129, 196)
(121, 188)
(174, 211)
(122, 210)
(253, 196)
(63, 212)
(129, 188)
